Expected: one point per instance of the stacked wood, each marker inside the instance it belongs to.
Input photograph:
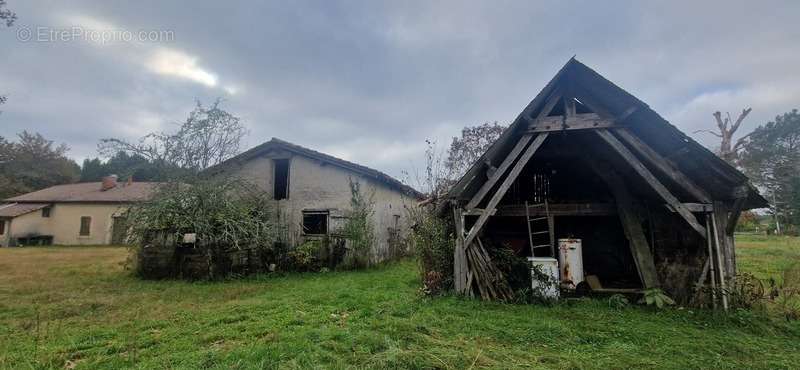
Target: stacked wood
(489, 281)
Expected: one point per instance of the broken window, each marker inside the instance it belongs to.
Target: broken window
(46, 212)
(281, 179)
(86, 225)
(315, 222)
(2, 227)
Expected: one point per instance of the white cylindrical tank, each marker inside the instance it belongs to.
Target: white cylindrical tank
(546, 286)
(570, 254)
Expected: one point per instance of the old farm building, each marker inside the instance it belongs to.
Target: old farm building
(586, 161)
(72, 214)
(312, 191)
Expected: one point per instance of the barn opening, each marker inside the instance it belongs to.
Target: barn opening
(281, 179)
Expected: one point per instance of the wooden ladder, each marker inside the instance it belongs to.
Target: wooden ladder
(535, 228)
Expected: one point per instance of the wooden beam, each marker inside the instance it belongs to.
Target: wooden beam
(662, 191)
(478, 197)
(576, 209)
(665, 166)
(501, 191)
(581, 121)
(631, 224)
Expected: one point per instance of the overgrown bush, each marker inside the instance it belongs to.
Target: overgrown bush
(304, 257)
(359, 230)
(224, 215)
(433, 243)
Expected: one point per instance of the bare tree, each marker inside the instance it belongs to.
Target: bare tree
(728, 149)
(208, 137)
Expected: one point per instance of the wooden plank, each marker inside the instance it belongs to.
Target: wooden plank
(581, 121)
(665, 166)
(501, 191)
(510, 158)
(662, 191)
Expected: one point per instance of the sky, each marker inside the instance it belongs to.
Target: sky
(371, 81)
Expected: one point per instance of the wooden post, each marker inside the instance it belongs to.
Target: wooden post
(710, 263)
(626, 154)
(460, 268)
(720, 263)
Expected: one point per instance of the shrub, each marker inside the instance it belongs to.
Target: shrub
(655, 297)
(433, 244)
(305, 256)
(224, 215)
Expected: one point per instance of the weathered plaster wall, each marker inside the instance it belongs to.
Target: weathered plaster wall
(315, 185)
(64, 223)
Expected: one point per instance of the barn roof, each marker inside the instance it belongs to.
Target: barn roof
(721, 180)
(276, 143)
(89, 192)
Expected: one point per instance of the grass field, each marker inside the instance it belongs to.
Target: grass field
(75, 307)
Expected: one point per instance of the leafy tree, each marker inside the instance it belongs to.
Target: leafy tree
(209, 136)
(33, 163)
(771, 158)
(474, 141)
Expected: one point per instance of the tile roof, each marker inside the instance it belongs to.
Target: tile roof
(17, 209)
(89, 192)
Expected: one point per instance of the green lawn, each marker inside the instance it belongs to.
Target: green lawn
(77, 307)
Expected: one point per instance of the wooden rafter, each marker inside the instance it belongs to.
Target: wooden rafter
(510, 158)
(664, 165)
(651, 180)
(501, 191)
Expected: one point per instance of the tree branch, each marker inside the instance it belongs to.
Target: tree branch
(707, 131)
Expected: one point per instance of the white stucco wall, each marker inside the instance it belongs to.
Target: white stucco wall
(318, 185)
(64, 224)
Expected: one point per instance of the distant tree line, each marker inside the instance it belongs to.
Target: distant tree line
(207, 137)
(32, 163)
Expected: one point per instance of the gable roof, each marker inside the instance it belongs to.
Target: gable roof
(714, 175)
(276, 143)
(89, 192)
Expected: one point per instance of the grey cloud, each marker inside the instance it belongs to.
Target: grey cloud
(371, 80)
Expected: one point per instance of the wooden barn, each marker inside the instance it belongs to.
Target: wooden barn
(587, 161)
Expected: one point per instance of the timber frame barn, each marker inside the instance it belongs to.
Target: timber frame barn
(653, 208)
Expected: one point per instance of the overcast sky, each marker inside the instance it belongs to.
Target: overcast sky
(370, 81)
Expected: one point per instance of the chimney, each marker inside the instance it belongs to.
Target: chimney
(109, 182)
